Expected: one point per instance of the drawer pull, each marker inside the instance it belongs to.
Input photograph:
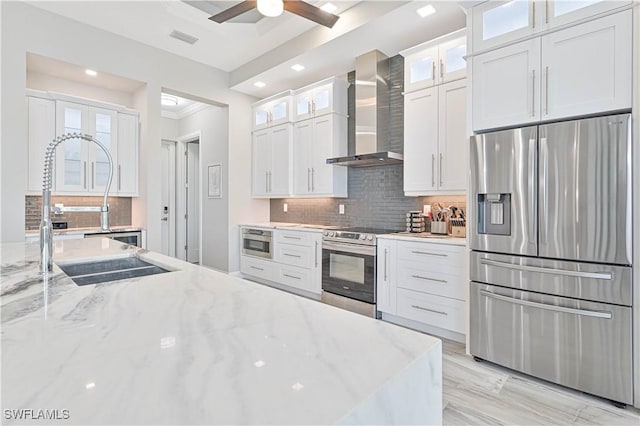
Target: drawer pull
(553, 271)
(259, 269)
(292, 276)
(291, 238)
(428, 279)
(429, 310)
(291, 255)
(429, 254)
(583, 312)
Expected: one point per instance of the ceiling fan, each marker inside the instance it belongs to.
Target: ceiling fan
(273, 8)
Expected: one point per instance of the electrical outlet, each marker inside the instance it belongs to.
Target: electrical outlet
(426, 209)
(341, 209)
(285, 208)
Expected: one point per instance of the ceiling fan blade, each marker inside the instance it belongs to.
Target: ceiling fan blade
(310, 12)
(234, 11)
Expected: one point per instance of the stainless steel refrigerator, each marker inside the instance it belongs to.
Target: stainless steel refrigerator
(550, 233)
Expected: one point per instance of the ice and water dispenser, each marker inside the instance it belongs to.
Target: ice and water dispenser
(494, 214)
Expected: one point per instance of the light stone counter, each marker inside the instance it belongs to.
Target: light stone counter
(426, 238)
(196, 346)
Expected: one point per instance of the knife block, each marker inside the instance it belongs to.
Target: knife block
(459, 231)
(439, 228)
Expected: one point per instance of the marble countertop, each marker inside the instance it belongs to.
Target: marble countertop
(290, 226)
(197, 346)
(92, 230)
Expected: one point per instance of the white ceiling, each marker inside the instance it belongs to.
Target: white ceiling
(265, 50)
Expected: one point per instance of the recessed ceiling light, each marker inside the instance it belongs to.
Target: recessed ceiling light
(297, 67)
(259, 84)
(329, 7)
(426, 11)
(168, 100)
(92, 73)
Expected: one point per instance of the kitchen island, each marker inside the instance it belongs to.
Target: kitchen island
(196, 346)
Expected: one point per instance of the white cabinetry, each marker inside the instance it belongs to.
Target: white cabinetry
(435, 62)
(325, 97)
(584, 69)
(435, 140)
(82, 168)
(273, 111)
(498, 22)
(315, 140)
(424, 282)
(296, 263)
(271, 160)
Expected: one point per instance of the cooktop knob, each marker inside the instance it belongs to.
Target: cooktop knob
(326, 233)
(362, 237)
(331, 234)
(370, 237)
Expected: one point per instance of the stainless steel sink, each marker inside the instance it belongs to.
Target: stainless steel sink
(102, 271)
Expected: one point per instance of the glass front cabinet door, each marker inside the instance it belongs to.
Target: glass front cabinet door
(499, 22)
(421, 69)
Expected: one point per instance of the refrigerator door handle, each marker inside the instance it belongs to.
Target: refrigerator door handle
(582, 312)
(544, 190)
(596, 275)
(532, 191)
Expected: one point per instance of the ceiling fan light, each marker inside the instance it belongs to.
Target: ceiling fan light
(270, 8)
(168, 100)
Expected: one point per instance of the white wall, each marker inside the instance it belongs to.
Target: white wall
(39, 81)
(28, 29)
(169, 129)
(212, 125)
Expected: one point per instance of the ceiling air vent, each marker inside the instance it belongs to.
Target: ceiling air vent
(183, 37)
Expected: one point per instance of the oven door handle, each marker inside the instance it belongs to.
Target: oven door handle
(349, 248)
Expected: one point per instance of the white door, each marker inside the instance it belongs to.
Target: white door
(280, 161)
(261, 162)
(321, 149)
(193, 202)
(168, 195)
(453, 143)
(302, 145)
(587, 68)
(506, 86)
(420, 140)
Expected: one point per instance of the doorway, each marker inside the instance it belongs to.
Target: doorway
(168, 202)
(192, 201)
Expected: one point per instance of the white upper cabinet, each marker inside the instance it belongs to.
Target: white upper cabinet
(325, 97)
(435, 62)
(271, 160)
(42, 130)
(587, 68)
(314, 141)
(273, 111)
(506, 86)
(435, 140)
(499, 22)
(126, 177)
(583, 69)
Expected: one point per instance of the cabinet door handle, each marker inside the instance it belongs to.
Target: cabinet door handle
(533, 93)
(440, 170)
(420, 277)
(533, 14)
(430, 310)
(292, 276)
(441, 69)
(291, 255)
(291, 238)
(433, 70)
(313, 106)
(93, 175)
(308, 180)
(316, 255)
(546, 11)
(546, 90)
(309, 110)
(119, 178)
(386, 255)
(313, 183)
(266, 181)
(84, 172)
(270, 181)
(433, 170)
(429, 253)
(259, 269)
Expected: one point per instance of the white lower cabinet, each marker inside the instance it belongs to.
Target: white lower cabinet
(296, 263)
(424, 282)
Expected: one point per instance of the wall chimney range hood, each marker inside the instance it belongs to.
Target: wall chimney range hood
(371, 116)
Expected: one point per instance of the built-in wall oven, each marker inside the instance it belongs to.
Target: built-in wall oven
(349, 269)
(257, 242)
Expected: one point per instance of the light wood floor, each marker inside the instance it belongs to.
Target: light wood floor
(481, 393)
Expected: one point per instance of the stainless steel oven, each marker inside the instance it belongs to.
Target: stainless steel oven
(349, 270)
(257, 242)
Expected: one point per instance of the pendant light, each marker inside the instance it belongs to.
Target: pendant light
(270, 8)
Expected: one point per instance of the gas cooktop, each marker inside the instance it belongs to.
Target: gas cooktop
(356, 235)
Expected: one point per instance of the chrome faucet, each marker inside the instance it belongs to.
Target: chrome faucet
(46, 228)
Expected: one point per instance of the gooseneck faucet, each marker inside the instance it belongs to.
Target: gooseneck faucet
(46, 228)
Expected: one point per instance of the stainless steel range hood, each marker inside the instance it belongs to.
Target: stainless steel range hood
(372, 115)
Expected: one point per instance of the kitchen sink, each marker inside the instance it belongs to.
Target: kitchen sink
(102, 271)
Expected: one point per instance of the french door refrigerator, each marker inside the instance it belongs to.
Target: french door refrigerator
(550, 233)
